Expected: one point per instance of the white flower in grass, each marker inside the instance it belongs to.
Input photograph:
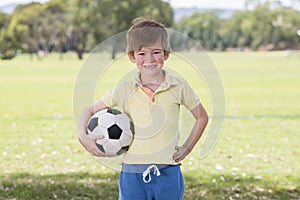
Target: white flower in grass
(219, 167)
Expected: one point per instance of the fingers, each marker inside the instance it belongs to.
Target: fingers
(180, 153)
(177, 154)
(89, 143)
(96, 137)
(178, 158)
(95, 151)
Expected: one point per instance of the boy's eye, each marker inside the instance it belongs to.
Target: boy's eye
(157, 52)
(141, 54)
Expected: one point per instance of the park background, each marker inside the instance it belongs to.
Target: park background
(256, 50)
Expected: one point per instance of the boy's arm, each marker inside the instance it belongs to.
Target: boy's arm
(201, 117)
(89, 141)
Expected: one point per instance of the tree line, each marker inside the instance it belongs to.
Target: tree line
(264, 28)
(79, 25)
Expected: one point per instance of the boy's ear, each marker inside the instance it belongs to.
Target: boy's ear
(131, 57)
(167, 54)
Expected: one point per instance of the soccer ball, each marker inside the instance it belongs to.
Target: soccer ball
(117, 129)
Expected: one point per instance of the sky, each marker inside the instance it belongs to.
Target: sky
(232, 4)
(228, 4)
(9, 2)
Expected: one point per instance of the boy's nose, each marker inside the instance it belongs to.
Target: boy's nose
(149, 57)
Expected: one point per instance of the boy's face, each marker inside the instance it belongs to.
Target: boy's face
(149, 60)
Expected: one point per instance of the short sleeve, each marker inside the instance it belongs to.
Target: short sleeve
(189, 98)
(108, 98)
(116, 96)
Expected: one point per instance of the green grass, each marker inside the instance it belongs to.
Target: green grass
(257, 156)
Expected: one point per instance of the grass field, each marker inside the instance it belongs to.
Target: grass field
(257, 156)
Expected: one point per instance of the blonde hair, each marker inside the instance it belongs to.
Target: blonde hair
(144, 32)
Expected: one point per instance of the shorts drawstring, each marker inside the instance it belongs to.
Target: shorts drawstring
(148, 171)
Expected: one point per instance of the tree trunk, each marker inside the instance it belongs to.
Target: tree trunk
(79, 54)
(113, 51)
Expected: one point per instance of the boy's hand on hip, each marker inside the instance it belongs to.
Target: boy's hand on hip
(89, 143)
(180, 154)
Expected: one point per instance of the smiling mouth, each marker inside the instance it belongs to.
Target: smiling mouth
(149, 66)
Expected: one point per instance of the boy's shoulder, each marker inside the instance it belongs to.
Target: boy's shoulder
(124, 84)
(175, 79)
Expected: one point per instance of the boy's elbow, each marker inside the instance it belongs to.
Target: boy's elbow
(88, 110)
(205, 118)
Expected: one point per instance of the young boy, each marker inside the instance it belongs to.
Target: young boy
(150, 168)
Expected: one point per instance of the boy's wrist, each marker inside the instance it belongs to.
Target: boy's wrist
(187, 148)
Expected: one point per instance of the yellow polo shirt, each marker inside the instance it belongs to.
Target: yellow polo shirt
(155, 116)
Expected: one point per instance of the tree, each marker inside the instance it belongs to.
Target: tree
(23, 26)
(52, 29)
(7, 42)
(80, 27)
(93, 21)
(202, 27)
(236, 31)
(4, 20)
(38, 27)
(285, 24)
(76, 25)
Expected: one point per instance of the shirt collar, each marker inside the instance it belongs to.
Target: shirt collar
(168, 82)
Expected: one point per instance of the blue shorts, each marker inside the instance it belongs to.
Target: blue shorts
(138, 182)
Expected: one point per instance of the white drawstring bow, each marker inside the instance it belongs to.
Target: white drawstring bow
(148, 171)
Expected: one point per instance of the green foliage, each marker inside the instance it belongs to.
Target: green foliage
(95, 21)
(24, 24)
(4, 19)
(203, 27)
(36, 27)
(75, 25)
(80, 25)
(264, 28)
(7, 42)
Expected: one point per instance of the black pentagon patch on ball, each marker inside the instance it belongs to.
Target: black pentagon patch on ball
(113, 111)
(93, 124)
(100, 147)
(132, 127)
(122, 150)
(114, 132)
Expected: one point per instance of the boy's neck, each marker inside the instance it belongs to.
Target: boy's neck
(152, 82)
